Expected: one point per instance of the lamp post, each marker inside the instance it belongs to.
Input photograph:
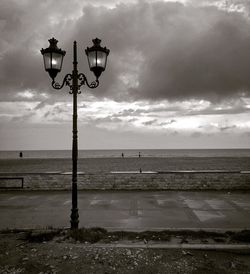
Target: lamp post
(53, 59)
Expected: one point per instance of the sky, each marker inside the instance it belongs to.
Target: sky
(177, 76)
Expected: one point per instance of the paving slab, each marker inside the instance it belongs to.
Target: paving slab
(127, 210)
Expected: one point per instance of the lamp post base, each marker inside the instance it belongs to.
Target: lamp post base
(74, 218)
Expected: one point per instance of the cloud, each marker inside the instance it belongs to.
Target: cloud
(227, 107)
(159, 50)
(24, 28)
(224, 128)
(175, 71)
(167, 123)
(171, 51)
(241, 6)
(208, 60)
(150, 122)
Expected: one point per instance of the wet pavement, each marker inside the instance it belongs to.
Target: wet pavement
(127, 210)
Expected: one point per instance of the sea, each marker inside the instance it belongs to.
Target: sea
(115, 153)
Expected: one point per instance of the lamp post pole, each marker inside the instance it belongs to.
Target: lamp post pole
(97, 59)
(74, 211)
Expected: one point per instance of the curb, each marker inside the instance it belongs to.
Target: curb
(178, 246)
(152, 244)
(156, 229)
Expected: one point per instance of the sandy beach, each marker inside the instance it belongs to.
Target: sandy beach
(94, 165)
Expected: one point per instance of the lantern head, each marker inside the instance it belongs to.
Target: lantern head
(53, 58)
(97, 57)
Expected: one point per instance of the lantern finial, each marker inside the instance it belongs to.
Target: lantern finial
(53, 43)
(97, 42)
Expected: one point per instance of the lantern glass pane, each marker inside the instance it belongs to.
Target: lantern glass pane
(92, 59)
(101, 59)
(56, 61)
(47, 60)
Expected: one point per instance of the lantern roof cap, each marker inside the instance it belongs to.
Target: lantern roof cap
(97, 47)
(53, 47)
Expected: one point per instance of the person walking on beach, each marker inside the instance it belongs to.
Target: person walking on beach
(122, 155)
(139, 154)
(21, 154)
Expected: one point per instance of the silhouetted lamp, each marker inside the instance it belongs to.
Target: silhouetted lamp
(97, 57)
(53, 58)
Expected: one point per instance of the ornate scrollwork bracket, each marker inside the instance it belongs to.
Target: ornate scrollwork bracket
(83, 81)
(66, 81)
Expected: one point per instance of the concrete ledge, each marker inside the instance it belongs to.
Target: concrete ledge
(134, 172)
(136, 180)
(70, 173)
(201, 171)
(131, 172)
(30, 173)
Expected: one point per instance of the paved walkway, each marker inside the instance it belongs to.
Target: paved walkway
(127, 210)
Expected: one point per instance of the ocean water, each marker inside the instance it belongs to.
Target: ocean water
(116, 153)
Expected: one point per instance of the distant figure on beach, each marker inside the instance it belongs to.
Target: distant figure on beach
(21, 154)
(139, 155)
(122, 155)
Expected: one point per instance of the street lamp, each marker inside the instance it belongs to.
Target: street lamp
(53, 59)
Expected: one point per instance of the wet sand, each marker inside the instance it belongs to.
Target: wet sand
(94, 165)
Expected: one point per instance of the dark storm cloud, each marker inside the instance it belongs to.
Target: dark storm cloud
(184, 51)
(207, 59)
(159, 50)
(25, 27)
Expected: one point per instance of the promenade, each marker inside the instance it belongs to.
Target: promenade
(128, 210)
